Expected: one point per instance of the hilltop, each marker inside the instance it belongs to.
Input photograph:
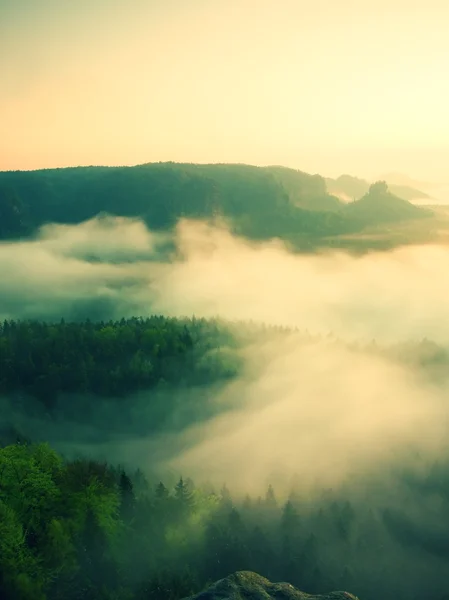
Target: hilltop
(350, 188)
(259, 203)
(380, 205)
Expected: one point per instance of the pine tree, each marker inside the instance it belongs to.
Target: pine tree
(161, 492)
(270, 498)
(247, 503)
(183, 496)
(127, 498)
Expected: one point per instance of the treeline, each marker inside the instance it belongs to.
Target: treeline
(161, 193)
(117, 358)
(112, 358)
(258, 203)
(85, 529)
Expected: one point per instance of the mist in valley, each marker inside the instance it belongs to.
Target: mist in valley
(321, 403)
(224, 270)
(110, 268)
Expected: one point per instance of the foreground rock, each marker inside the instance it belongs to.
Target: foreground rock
(245, 585)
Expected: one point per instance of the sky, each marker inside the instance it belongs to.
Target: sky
(354, 86)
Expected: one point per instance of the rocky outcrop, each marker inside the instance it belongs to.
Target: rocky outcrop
(245, 585)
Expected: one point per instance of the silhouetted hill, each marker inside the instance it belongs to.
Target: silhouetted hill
(354, 188)
(379, 206)
(257, 202)
(306, 191)
(245, 585)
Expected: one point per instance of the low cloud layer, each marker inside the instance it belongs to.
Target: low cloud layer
(327, 413)
(110, 266)
(318, 409)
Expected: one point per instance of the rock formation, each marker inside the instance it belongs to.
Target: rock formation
(245, 585)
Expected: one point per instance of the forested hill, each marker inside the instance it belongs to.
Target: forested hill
(85, 529)
(150, 375)
(77, 527)
(379, 205)
(113, 358)
(258, 202)
(354, 188)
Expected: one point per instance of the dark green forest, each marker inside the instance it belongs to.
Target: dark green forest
(112, 358)
(57, 364)
(79, 527)
(86, 529)
(83, 516)
(258, 203)
(224, 380)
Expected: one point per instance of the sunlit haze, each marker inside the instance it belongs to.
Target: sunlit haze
(324, 86)
(224, 267)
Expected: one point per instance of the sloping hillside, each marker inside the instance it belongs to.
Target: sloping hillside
(353, 188)
(306, 191)
(259, 202)
(408, 193)
(14, 218)
(380, 206)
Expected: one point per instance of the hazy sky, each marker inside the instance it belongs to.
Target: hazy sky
(326, 86)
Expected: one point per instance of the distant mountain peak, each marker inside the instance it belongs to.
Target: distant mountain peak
(378, 188)
(354, 188)
(380, 205)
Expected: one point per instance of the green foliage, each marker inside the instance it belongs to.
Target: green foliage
(50, 518)
(81, 528)
(257, 202)
(95, 537)
(380, 206)
(14, 217)
(112, 359)
(18, 566)
(162, 366)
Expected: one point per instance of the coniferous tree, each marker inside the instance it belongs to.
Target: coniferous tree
(270, 498)
(183, 497)
(127, 497)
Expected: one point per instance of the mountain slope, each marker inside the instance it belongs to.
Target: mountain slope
(408, 193)
(245, 585)
(306, 191)
(380, 206)
(13, 215)
(259, 202)
(352, 188)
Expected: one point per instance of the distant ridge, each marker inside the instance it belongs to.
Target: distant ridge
(379, 205)
(259, 203)
(351, 188)
(400, 179)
